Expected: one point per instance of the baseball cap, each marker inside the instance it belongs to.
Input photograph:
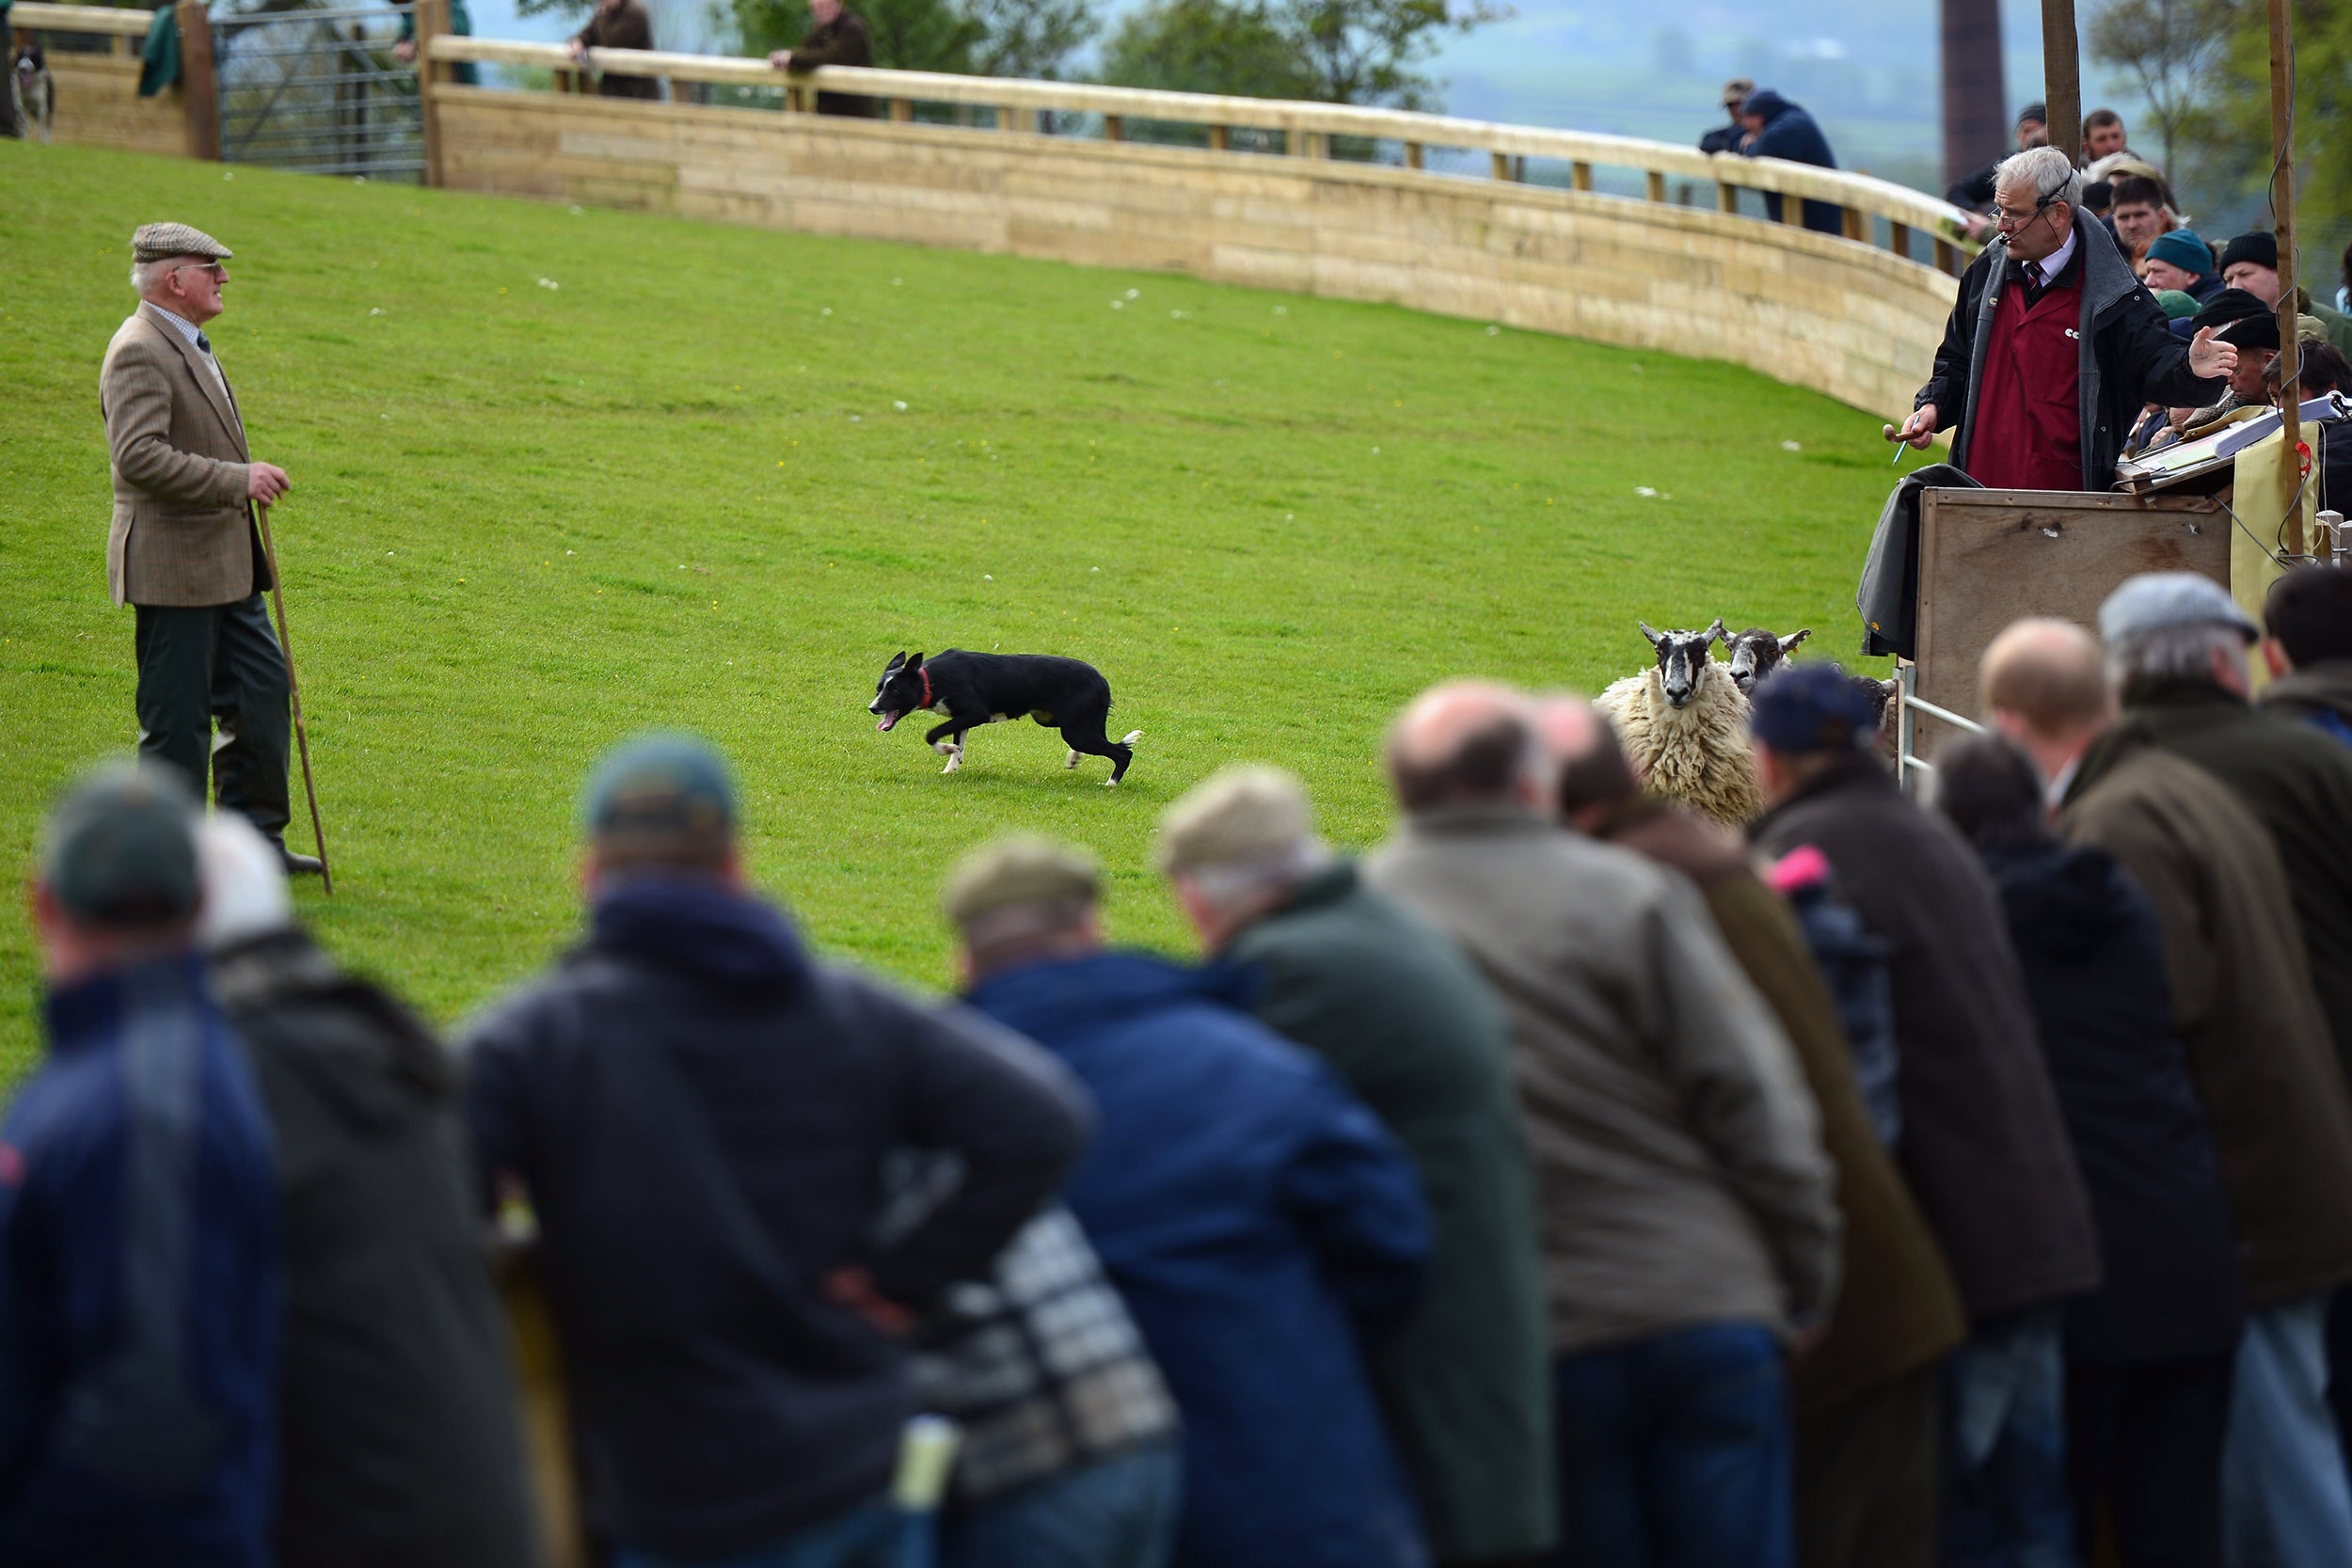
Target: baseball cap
(1813, 707)
(660, 786)
(120, 849)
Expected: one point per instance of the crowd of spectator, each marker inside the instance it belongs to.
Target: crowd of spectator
(1563, 1182)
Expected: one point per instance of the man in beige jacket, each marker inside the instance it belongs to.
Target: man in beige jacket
(184, 552)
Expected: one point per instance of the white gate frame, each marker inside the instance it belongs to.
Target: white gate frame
(1910, 766)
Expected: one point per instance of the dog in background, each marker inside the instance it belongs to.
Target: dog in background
(972, 689)
(36, 91)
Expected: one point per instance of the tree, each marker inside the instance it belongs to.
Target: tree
(1031, 39)
(2170, 48)
(2226, 123)
(1329, 50)
(1220, 46)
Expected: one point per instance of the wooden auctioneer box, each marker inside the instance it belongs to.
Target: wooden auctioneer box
(1988, 557)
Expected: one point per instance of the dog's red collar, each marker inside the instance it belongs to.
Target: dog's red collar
(925, 671)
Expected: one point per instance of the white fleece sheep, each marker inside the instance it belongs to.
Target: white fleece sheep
(1694, 749)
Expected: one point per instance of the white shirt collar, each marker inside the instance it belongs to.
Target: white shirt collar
(2062, 781)
(2055, 264)
(181, 323)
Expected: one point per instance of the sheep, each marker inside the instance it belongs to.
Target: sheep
(1684, 726)
(1757, 653)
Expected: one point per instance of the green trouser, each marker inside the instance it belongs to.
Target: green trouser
(199, 662)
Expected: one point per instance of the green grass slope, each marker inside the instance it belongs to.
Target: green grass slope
(712, 478)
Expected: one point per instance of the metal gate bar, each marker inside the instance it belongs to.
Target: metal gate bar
(313, 91)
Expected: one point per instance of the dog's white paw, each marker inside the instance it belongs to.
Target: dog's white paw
(1072, 761)
(947, 748)
(1132, 735)
(1110, 784)
(954, 762)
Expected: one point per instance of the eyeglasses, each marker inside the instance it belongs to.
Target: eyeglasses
(219, 273)
(2006, 217)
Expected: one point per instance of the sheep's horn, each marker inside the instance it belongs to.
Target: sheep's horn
(1716, 633)
(1655, 637)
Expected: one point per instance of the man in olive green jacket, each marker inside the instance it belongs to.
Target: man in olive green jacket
(1403, 1019)
(1868, 1396)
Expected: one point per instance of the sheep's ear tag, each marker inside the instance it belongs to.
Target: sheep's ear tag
(1655, 638)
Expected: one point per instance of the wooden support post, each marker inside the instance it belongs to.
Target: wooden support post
(1898, 239)
(1581, 176)
(1307, 144)
(1220, 138)
(1657, 185)
(2062, 77)
(1948, 256)
(1792, 211)
(1114, 127)
(796, 100)
(1726, 197)
(1016, 119)
(1502, 164)
(199, 90)
(1857, 224)
(2283, 204)
(902, 111)
(1412, 155)
(432, 21)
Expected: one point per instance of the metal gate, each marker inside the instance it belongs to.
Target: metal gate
(318, 92)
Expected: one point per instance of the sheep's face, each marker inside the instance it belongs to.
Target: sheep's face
(1682, 658)
(1757, 653)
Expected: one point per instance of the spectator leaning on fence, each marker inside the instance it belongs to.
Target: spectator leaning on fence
(1410, 1026)
(464, 73)
(617, 25)
(140, 1281)
(2053, 347)
(1727, 137)
(836, 35)
(1779, 129)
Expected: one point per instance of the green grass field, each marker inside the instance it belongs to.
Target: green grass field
(712, 478)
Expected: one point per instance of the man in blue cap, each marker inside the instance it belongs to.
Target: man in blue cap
(699, 1114)
(139, 1280)
(1983, 1141)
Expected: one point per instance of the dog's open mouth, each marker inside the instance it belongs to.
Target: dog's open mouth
(888, 720)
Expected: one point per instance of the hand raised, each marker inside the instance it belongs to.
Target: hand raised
(2209, 357)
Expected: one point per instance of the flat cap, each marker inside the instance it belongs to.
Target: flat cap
(660, 786)
(2259, 248)
(1735, 92)
(1813, 707)
(121, 849)
(2184, 249)
(2160, 601)
(160, 242)
(1246, 812)
(2238, 318)
(1020, 869)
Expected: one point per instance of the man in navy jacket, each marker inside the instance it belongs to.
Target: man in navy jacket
(700, 1116)
(140, 1287)
(1260, 1224)
(1779, 129)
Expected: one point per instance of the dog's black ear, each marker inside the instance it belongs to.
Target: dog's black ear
(916, 663)
(896, 659)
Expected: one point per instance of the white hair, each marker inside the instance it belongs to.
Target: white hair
(2172, 654)
(145, 276)
(243, 880)
(1235, 884)
(2050, 172)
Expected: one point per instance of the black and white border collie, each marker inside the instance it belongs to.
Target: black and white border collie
(972, 689)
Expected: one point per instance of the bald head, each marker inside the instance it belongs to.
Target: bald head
(2049, 674)
(1468, 743)
(1592, 774)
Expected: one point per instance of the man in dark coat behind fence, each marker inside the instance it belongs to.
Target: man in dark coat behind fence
(1982, 1140)
(2053, 348)
(1779, 129)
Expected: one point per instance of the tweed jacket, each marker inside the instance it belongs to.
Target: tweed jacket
(181, 533)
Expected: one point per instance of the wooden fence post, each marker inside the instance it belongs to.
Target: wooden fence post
(1657, 185)
(1581, 177)
(199, 93)
(432, 21)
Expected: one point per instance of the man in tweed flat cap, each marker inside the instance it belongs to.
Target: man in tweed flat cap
(183, 551)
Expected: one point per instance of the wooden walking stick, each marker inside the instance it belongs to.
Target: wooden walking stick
(293, 688)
